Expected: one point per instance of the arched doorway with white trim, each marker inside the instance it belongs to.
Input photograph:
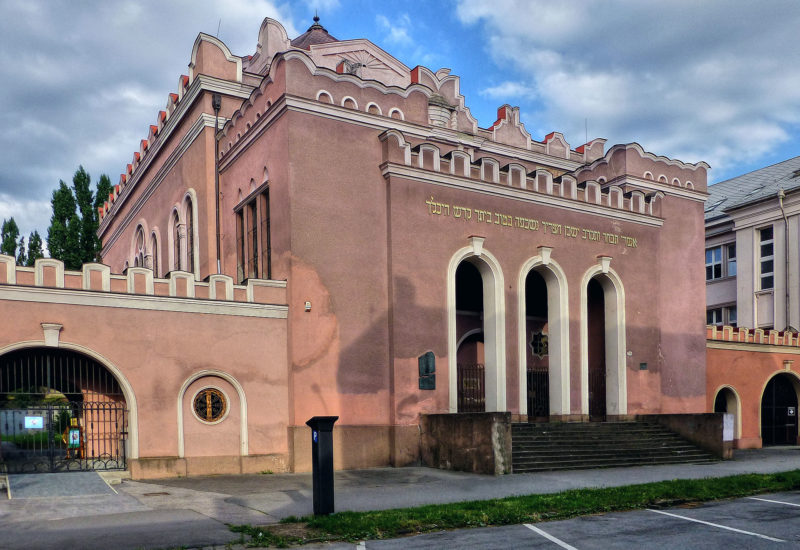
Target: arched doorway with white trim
(543, 338)
(779, 403)
(475, 284)
(64, 408)
(603, 343)
(726, 400)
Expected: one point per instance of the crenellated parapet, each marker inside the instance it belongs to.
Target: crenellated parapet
(93, 277)
(742, 335)
(146, 146)
(632, 167)
(479, 168)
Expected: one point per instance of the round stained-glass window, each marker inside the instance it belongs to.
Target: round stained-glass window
(210, 405)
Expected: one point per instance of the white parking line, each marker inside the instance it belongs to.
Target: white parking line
(717, 525)
(362, 545)
(549, 537)
(775, 501)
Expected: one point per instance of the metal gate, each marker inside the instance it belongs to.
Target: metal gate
(471, 388)
(64, 437)
(59, 411)
(538, 394)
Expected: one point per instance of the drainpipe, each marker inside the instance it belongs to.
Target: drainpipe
(781, 196)
(216, 103)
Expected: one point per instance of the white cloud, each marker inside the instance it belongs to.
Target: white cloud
(398, 29)
(715, 81)
(508, 90)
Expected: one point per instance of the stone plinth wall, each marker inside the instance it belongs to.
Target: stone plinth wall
(704, 430)
(467, 442)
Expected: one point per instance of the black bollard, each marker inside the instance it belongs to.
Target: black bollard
(322, 462)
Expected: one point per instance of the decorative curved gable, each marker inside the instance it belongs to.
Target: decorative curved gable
(212, 57)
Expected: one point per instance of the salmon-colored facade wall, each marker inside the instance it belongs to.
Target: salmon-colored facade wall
(163, 350)
(743, 361)
(377, 191)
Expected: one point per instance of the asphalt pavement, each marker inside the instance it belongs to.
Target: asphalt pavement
(79, 512)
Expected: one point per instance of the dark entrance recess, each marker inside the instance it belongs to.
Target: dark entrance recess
(537, 354)
(779, 412)
(596, 320)
(59, 411)
(471, 372)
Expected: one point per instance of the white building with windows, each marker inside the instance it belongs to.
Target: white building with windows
(752, 268)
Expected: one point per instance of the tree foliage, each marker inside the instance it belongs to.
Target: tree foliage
(34, 249)
(9, 235)
(72, 235)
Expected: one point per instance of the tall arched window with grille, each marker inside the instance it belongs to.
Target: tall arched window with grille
(176, 242)
(154, 253)
(138, 250)
(189, 236)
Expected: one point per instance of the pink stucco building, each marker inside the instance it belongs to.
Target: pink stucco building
(354, 244)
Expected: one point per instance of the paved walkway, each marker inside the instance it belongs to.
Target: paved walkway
(198, 508)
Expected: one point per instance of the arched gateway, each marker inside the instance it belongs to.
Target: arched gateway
(60, 410)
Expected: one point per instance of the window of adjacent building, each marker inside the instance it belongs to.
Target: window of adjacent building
(766, 262)
(253, 240)
(713, 263)
(721, 316)
(721, 262)
(730, 266)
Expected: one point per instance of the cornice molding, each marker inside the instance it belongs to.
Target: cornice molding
(151, 303)
(522, 195)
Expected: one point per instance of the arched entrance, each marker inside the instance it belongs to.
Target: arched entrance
(537, 354)
(779, 411)
(470, 356)
(596, 319)
(475, 303)
(60, 410)
(727, 401)
(603, 360)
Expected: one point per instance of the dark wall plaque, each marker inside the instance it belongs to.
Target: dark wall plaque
(427, 371)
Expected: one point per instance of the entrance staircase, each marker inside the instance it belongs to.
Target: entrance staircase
(573, 446)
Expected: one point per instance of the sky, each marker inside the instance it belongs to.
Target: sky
(713, 80)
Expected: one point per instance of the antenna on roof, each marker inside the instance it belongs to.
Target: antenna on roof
(218, 25)
(586, 128)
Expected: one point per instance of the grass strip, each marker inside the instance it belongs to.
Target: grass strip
(355, 526)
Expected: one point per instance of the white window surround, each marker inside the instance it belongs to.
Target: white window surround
(616, 380)
(558, 336)
(398, 111)
(213, 373)
(373, 104)
(494, 324)
(347, 98)
(324, 93)
(191, 196)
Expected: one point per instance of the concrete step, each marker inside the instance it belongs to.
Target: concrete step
(560, 446)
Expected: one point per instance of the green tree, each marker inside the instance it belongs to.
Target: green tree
(22, 259)
(104, 189)
(72, 235)
(9, 235)
(63, 203)
(34, 248)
